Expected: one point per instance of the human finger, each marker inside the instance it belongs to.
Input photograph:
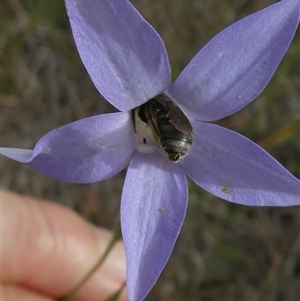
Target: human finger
(48, 248)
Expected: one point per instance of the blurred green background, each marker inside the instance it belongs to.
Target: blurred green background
(225, 251)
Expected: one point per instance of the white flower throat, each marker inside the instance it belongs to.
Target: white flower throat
(160, 122)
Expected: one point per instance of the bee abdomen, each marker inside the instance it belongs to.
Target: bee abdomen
(176, 149)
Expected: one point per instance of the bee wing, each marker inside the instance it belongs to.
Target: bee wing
(179, 120)
(174, 114)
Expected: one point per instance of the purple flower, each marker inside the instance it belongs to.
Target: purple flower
(127, 62)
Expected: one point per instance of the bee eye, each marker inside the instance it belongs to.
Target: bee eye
(142, 113)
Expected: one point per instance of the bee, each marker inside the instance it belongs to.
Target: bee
(169, 126)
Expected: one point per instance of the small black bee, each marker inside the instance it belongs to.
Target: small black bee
(168, 123)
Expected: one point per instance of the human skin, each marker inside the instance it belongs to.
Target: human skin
(46, 249)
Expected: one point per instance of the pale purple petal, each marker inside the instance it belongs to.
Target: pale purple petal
(84, 151)
(234, 168)
(123, 54)
(17, 154)
(153, 208)
(236, 65)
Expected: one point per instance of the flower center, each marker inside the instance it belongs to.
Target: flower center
(160, 122)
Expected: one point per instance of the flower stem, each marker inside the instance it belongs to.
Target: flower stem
(116, 236)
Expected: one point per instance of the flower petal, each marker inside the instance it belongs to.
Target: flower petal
(123, 54)
(17, 154)
(234, 168)
(84, 151)
(153, 208)
(235, 66)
